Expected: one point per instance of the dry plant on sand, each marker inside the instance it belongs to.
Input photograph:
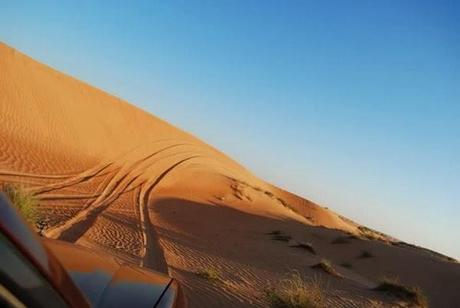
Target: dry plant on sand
(412, 295)
(209, 273)
(23, 201)
(277, 235)
(306, 246)
(296, 292)
(326, 266)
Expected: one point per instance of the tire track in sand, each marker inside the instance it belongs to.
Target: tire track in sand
(93, 172)
(75, 227)
(152, 253)
(111, 189)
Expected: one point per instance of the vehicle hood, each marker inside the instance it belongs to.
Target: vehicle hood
(107, 282)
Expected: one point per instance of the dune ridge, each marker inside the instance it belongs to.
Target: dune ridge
(112, 177)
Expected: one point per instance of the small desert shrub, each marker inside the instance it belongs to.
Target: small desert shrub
(296, 292)
(326, 267)
(238, 194)
(412, 295)
(277, 235)
(306, 246)
(371, 236)
(365, 254)
(23, 201)
(209, 273)
(269, 193)
(284, 203)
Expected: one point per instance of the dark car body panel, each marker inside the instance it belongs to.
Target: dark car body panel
(83, 277)
(105, 281)
(17, 232)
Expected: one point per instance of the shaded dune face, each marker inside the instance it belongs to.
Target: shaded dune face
(112, 177)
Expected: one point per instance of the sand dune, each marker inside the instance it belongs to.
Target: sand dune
(112, 177)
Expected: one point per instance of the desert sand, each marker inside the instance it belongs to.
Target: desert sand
(115, 178)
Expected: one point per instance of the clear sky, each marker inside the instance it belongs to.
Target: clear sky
(353, 104)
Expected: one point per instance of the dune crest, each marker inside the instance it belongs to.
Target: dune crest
(113, 177)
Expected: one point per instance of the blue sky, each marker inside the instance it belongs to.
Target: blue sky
(353, 104)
